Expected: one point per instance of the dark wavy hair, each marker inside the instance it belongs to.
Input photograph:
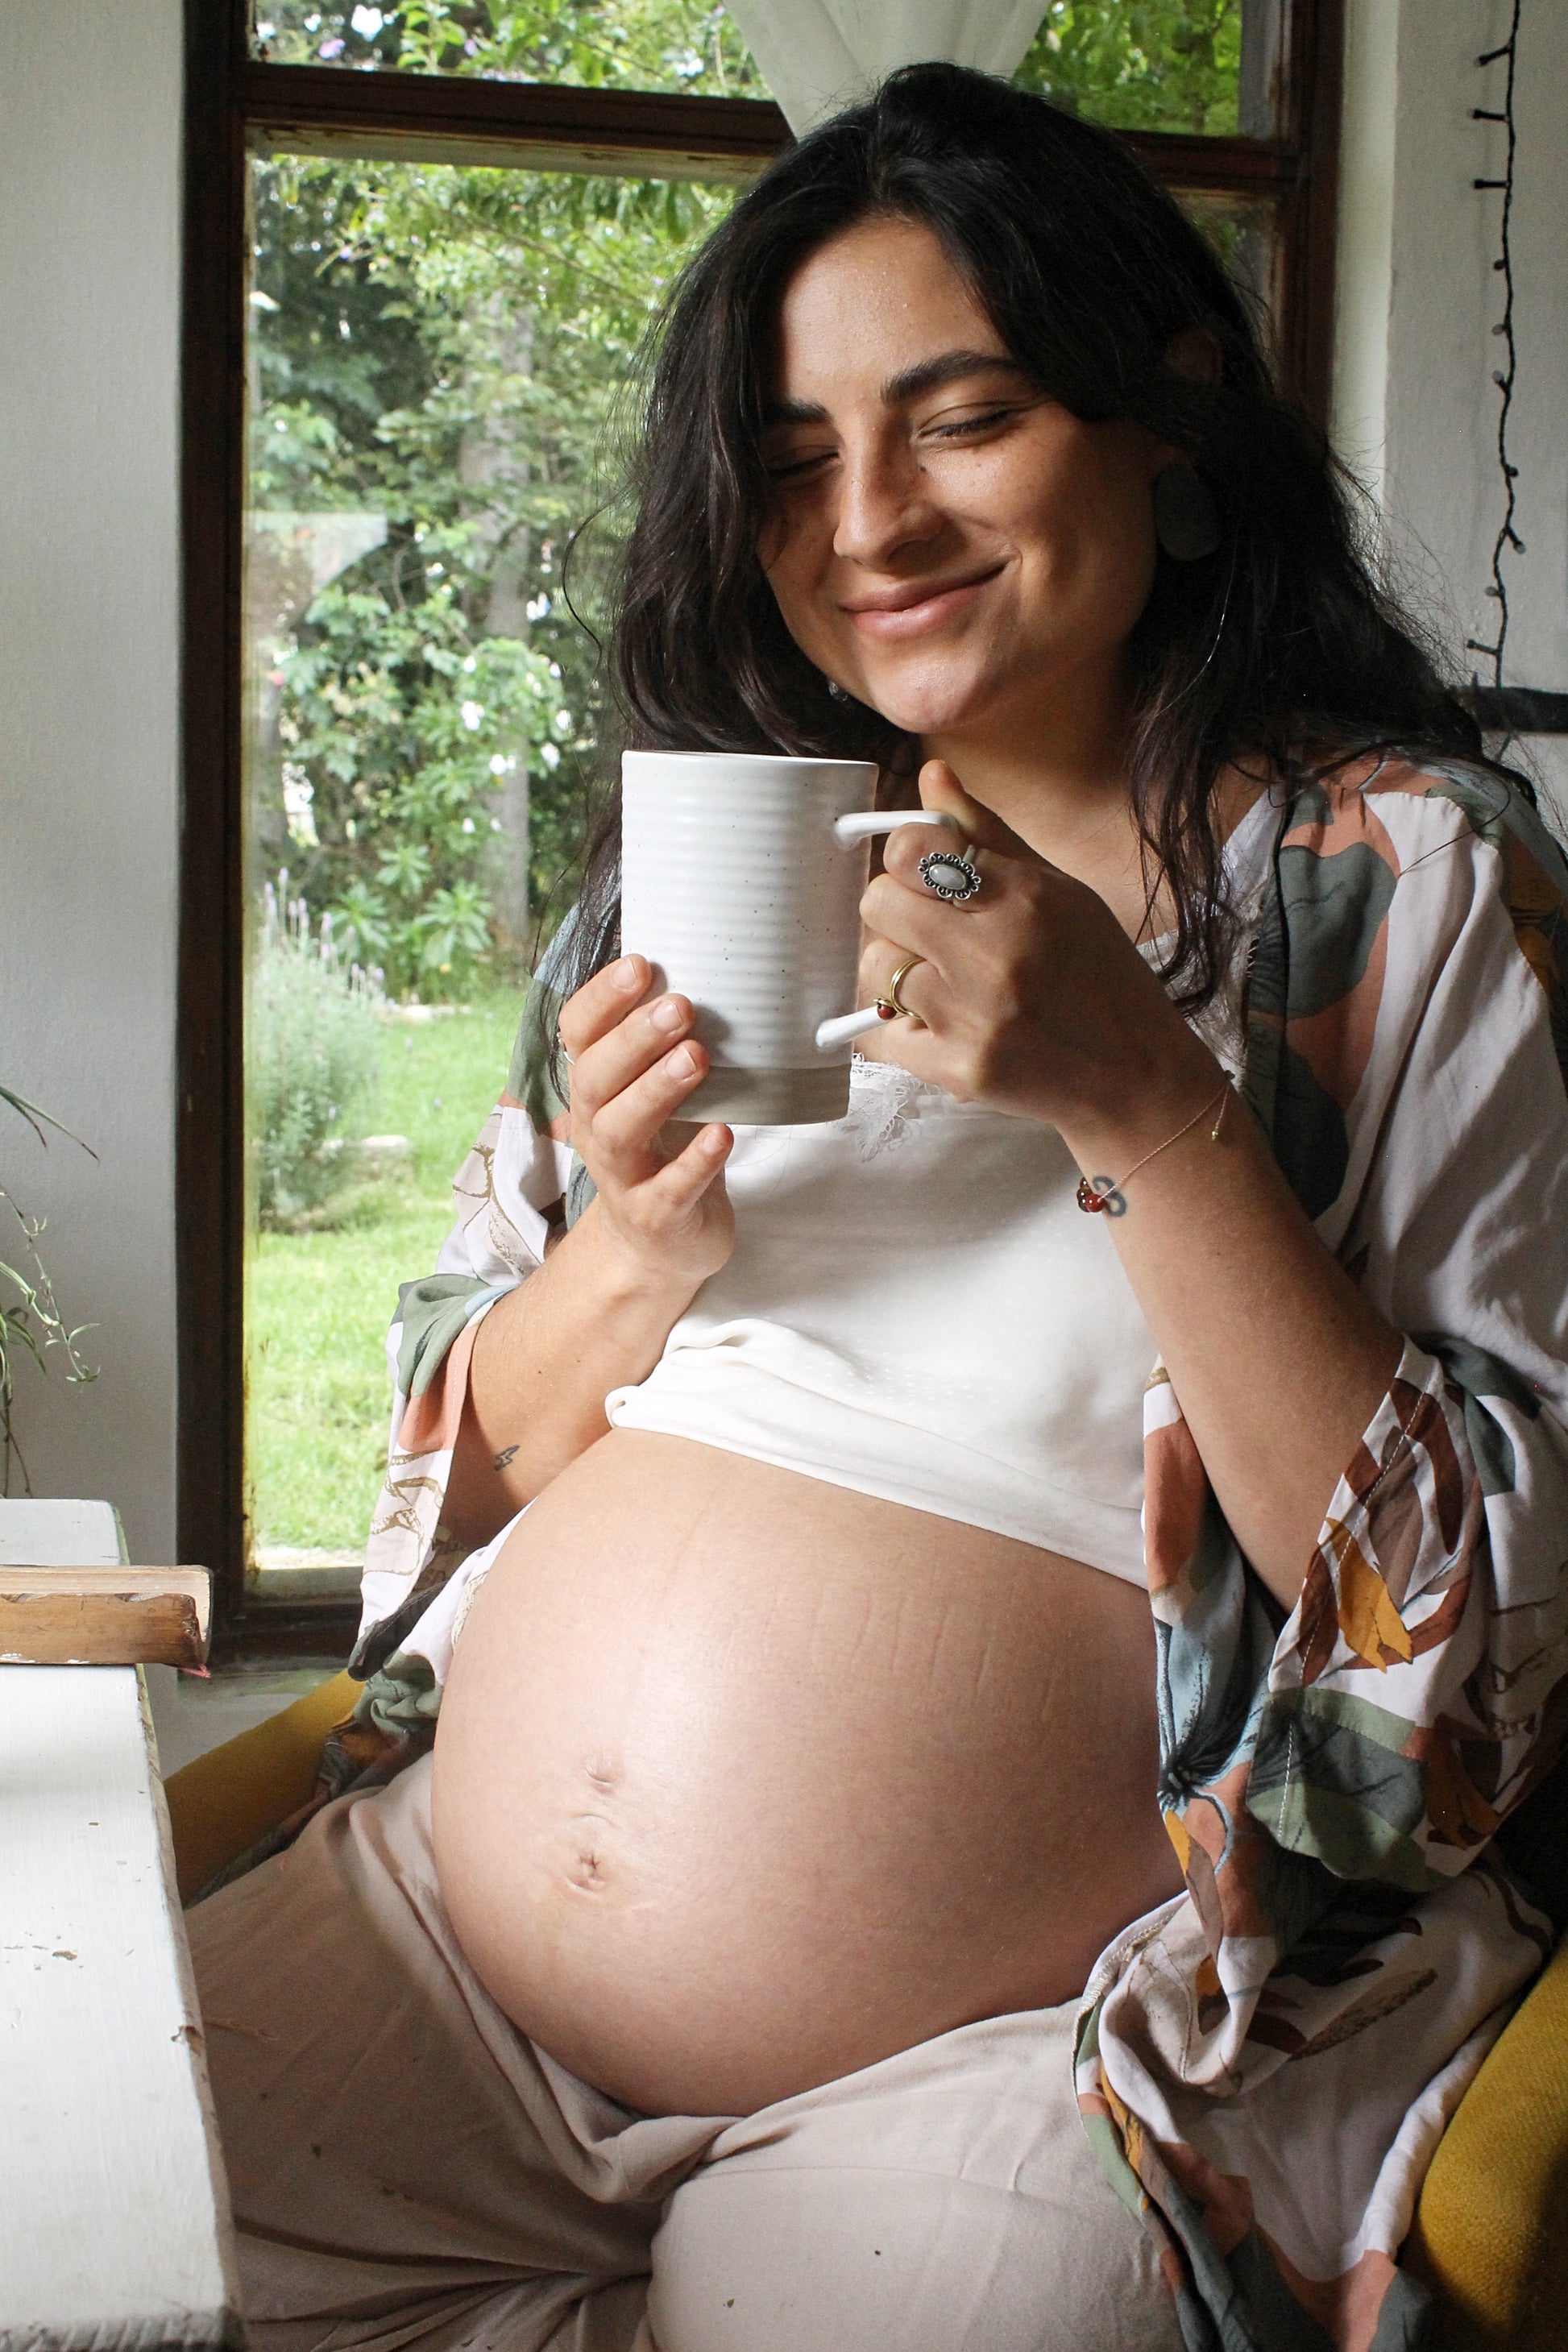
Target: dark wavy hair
(1279, 650)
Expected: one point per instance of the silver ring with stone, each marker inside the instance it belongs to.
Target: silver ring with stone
(948, 876)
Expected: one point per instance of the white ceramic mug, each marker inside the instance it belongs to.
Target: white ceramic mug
(740, 882)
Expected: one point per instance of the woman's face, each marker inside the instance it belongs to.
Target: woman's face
(945, 542)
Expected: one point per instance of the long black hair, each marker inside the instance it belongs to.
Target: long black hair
(1278, 649)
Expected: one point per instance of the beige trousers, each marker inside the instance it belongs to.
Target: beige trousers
(408, 2168)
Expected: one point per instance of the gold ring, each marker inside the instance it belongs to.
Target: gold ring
(897, 981)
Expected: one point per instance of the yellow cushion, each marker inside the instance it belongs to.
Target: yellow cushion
(1491, 2230)
(223, 1802)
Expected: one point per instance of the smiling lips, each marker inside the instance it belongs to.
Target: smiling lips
(915, 609)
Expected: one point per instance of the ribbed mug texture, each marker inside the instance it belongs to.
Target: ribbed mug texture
(734, 887)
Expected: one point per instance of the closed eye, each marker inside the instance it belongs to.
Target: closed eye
(963, 427)
(787, 469)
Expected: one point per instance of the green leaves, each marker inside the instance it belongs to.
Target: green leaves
(452, 929)
(592, 44)
(441, 354)
(1142, 65)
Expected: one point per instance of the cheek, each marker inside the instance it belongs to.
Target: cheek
(1096, 553)
(790, 577)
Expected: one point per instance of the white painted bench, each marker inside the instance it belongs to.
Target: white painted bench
(114, 2225)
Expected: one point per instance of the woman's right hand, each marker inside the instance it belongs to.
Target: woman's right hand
(661, 1197)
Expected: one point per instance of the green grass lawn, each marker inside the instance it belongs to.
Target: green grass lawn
(320, 1302)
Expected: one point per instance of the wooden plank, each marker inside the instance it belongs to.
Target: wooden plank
(114, 2223)
(451, 118)
(547, 126)
(71, 1616)
(393, 144)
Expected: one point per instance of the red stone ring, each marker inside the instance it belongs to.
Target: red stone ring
(893, 1006)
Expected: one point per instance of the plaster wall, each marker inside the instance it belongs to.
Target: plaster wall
(1416, 408)
(89, 163)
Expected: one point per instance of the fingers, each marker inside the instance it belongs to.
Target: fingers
(911, 919)
(641, 1038)
(992, 848)
(921, 990)
(603, 1001)
(625, 1124)
(940, 788)
(681, 1184)
(633, 1065)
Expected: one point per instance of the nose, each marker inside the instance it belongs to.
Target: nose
(885, 504)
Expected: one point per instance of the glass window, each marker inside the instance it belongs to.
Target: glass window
(1208, 66)
(1245, 232)
(436, 355)
(655, 44)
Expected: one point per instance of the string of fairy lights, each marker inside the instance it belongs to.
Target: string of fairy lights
(1503, 709)
(1508, 539)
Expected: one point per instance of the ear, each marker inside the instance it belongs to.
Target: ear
(1196, 356)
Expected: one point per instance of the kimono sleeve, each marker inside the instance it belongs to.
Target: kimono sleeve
(1420, 1687)
(1267, 2062)
(508, 1200)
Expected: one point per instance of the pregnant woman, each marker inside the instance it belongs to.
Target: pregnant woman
(979, 1648)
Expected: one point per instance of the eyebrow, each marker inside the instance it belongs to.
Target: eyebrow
(910, 383)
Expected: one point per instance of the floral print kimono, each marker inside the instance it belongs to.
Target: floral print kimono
(1265, 2063)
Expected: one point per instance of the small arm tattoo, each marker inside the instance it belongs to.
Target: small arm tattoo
(504, 1456)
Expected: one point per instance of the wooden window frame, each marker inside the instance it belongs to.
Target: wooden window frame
(235, 106)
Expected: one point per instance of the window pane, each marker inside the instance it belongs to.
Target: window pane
(1154, 65)
(1245, 233)
(1161, 65)
(659, 44)
(434, 357)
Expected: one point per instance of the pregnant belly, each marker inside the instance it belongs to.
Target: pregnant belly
(744, 1780)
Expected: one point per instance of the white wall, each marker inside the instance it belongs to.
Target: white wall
(1416, 408)
(90, 161)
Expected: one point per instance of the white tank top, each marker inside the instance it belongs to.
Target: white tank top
(917, 1307)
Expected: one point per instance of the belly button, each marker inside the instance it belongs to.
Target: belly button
(588, 1866)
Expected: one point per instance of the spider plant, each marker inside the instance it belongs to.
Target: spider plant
(30, 1318)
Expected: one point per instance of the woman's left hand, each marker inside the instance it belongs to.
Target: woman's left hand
(1038, 1003)
(1034, 1001)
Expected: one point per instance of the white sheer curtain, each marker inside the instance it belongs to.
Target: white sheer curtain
(818, 54)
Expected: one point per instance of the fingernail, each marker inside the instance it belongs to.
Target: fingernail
(681, 1063)
(624, 973)
(666, 1013)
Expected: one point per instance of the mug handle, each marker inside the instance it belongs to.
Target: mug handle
(847, 831)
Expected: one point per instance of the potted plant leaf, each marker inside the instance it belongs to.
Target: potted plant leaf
(30, 1318)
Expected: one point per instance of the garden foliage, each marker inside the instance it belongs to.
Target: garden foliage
(312, 1040)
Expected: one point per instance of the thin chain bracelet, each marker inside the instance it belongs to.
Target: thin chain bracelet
(1103, 1194)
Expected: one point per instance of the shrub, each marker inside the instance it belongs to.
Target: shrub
(312, 1038)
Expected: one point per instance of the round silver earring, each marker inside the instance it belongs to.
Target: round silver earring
(1186, 516)
(836, 691)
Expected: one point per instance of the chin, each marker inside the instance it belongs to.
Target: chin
(930, 705)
